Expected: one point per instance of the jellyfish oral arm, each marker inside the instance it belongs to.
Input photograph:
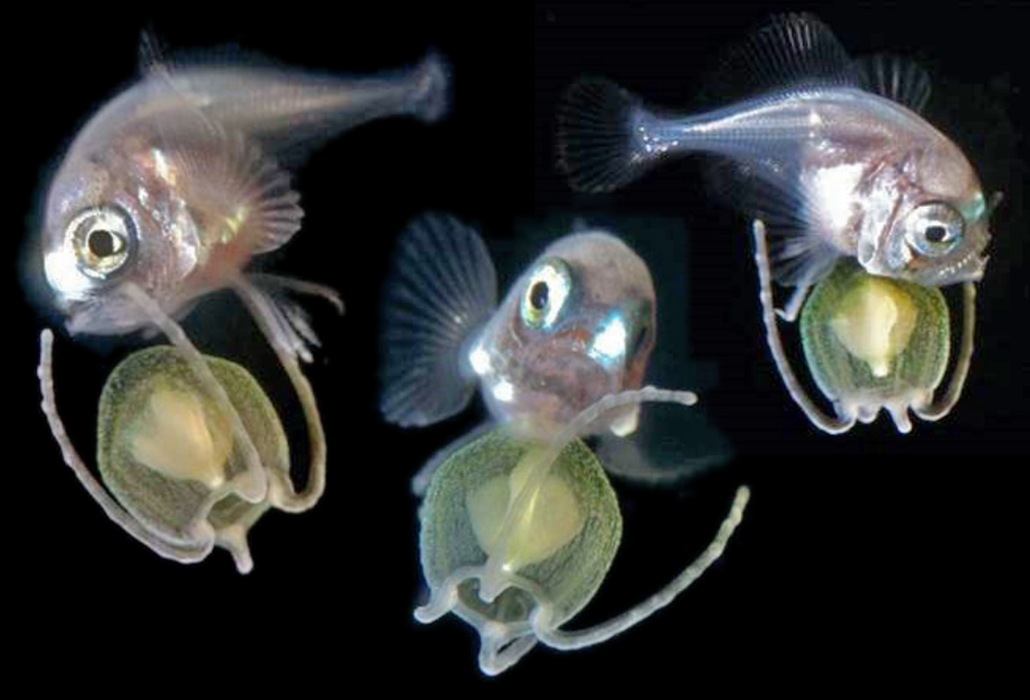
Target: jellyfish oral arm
(255, 488)
(940, 408)
(179, 553)
(263, 310)
(494, 574)
(834, 426)
(501, 646)
(564, 640)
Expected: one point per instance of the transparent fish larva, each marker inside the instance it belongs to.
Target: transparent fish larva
(871, 343)
(518, 535)
(166, 451)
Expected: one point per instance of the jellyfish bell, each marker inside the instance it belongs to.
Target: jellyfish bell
(871, 344)
(574, 515)
(518, 535)
(181, 481)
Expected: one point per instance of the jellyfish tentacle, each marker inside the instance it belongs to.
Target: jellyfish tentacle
(494, 662)
(111, 508)
(256, 491)
(834, 426)
(566, 640)
(942, 407)
(287, 498)
(789, 313)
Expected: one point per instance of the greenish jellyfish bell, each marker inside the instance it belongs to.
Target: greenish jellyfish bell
(555, 557)
(873, 342)
(167, 452)
(518, 535)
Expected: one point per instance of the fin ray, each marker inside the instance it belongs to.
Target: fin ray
(442, 289)
(899, 79)
(597, 148)
(243, 199)
(787, 51)
(799, 255)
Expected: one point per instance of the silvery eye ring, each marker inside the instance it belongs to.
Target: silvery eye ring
(546, 292)
(934, 229)
(104, 238)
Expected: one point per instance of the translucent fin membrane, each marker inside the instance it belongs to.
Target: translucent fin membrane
(442, 289)
(597, 147)
(787, 51)
(899, 79)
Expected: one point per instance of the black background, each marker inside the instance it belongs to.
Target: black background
(862, 556)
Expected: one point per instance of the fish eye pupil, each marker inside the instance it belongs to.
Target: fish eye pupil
(102, 243)
(936, 233)
(538, 296)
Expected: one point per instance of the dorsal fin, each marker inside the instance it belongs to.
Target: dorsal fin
(899, 79)
(151, 52)
(788, 51)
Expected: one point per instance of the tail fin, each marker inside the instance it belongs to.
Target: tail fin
(602, 142)
(441, 290)
(431, 97)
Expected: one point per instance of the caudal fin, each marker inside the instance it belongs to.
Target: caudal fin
(600, 143)
(441, 290)
(431, 97)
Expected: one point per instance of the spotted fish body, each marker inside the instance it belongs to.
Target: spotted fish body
(576, 326)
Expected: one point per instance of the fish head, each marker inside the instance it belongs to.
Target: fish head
(939, 231)
(111, 219)
(578, 325)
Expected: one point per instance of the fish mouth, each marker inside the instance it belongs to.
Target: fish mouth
(969, 268)
(112, 315)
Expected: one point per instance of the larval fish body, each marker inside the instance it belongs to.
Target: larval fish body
(832, 154)
(576, 326)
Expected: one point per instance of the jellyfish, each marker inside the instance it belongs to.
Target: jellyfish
(166, 450)
(517, 535)
(870, 343)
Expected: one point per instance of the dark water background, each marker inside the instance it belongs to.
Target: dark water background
(862, 557)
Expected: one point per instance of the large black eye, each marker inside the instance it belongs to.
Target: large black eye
(538, 295)
(103, 239)
(934, 229)
(546, 293)
(936, 234)
(102, 243)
